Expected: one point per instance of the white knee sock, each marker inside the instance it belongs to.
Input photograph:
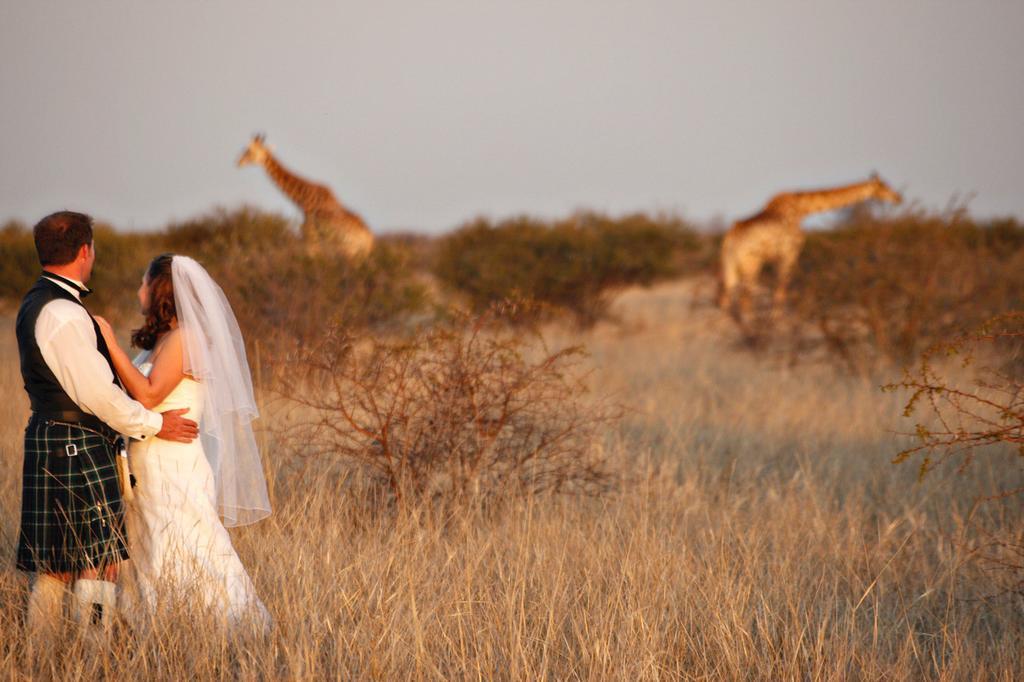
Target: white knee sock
(45, 603)
(95, 602)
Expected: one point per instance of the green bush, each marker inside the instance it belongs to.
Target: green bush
(121, 258)
(285, 292)
(275, 287)
(19, 265)
(222, 231)
(569, 265)
(279, 290)
(890, 286)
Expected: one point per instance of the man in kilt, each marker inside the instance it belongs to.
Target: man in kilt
(72, 517)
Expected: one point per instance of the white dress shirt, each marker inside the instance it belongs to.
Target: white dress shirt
(67, 341)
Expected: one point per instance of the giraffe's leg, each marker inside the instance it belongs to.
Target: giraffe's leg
(727, 281)
(747, 273)
(745, 297)
(786, 266)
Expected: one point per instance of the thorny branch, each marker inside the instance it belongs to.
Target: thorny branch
(967, 419)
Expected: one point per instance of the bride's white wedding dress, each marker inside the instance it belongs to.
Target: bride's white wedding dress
(180, 552)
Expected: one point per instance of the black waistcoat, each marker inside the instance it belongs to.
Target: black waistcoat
(44, 391)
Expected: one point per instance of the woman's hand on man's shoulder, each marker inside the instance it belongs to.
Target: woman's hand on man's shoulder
(106, 329)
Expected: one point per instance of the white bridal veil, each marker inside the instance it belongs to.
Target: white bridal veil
(214, 354)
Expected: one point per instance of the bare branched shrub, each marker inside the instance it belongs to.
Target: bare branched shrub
(455, 411)
(984, 414)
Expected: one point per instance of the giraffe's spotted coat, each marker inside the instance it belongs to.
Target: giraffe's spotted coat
(327, 224)
(774, 236)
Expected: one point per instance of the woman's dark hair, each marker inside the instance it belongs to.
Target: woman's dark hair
(161, 311)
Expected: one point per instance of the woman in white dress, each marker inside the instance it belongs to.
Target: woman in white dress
(193, 357)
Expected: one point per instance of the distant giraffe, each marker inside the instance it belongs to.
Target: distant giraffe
(327, 225)
(774, 236)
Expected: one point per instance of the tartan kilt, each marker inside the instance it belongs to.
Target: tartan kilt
(72, 515)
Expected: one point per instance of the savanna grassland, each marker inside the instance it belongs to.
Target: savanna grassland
(754, 527)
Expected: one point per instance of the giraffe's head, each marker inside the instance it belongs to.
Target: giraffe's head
(256, 153)
(881, 191)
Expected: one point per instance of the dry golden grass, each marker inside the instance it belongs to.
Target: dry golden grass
(760, 532)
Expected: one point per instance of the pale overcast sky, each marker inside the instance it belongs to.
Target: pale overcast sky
(423, 114)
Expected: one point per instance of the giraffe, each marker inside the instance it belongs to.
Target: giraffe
(774, 236)
(327, 225)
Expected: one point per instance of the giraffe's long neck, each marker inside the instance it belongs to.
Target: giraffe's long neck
(800, 204)
(301, 191)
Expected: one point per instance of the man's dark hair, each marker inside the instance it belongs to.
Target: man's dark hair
(60, 235)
